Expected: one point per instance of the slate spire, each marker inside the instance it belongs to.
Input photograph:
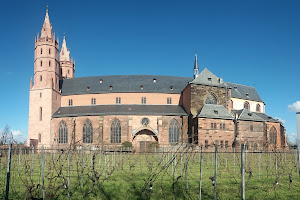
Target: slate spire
(196, 68)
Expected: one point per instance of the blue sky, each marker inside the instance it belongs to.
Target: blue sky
(255, 43)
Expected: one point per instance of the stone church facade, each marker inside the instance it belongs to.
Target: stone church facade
(141, 109)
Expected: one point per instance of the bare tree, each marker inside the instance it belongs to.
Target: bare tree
(6, 136)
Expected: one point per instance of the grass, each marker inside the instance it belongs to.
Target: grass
(129, 176)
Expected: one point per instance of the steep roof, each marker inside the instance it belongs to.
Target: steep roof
(214, 112)
(206, 77)
(243, 92)
(119, 109)
(124, 83)
(266, 117)
(246, 115)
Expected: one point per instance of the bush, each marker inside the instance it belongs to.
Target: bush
(127, 144)
(152, 145)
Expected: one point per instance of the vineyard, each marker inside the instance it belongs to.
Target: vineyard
(164, 173)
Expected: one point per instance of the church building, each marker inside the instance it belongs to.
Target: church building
(141, 109)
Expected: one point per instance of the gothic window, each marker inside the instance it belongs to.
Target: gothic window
(257, 108)
(211, 99)
(246, 145)
(145, 121)
(206, 144)
(143, 100)
(231, 104)
(247, 105)
(255, 146)
(62, 132)
(226, 144)
(41, 113)
(174, 132)
(169, 100)
(87, 136)
(251, 127)
(273, 135)
(115, 131)
(221, 144)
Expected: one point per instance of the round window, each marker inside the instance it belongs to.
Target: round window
(145, 121)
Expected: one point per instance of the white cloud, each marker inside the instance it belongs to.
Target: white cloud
(282, 120)
(295, 107)
(16, 133)
(292, 138)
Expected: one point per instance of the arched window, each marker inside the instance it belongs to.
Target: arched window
(115, 131)
(257, 108)
(174, 132)
(273, 135)
(62, 132)
(246, 145)
(87, 136)
(211, 99)
(247, 105)
(231, 104)
(255, 146)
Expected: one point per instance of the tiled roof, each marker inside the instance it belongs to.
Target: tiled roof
(243, 92)
(266, 117)
(119, 109)
(214, 112)
(246, 115)
(124, 83)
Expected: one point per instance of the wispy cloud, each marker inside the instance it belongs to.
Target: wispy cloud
(292, 138)
(282, 120)
(295, 107)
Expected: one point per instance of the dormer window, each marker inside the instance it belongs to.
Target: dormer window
(171, 87)
(209, 80)
(100, 81)
(110, 87)
(142, 87)
(250, 114)
(247, 94)
(154, 80)
(235, 87)
(216, 112)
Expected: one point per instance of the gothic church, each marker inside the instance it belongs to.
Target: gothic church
(141, 109)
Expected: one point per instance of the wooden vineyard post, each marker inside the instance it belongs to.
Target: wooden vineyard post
(8, 171)
(43, 171)
(243, 170)
(216, 168)
(81, 166)
(201, 165)
(69, 181)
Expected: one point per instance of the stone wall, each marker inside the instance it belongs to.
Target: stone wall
(200, 92)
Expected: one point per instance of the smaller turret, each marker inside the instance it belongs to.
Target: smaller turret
(66, 64)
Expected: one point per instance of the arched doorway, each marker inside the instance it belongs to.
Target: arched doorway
(142, 139)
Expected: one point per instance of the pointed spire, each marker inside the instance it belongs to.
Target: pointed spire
(47, 27)
(196, 62)
(196, 68)
(64, 52)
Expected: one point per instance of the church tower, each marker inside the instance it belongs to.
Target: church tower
(44, 97)
(196, 68)
(67, 65)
